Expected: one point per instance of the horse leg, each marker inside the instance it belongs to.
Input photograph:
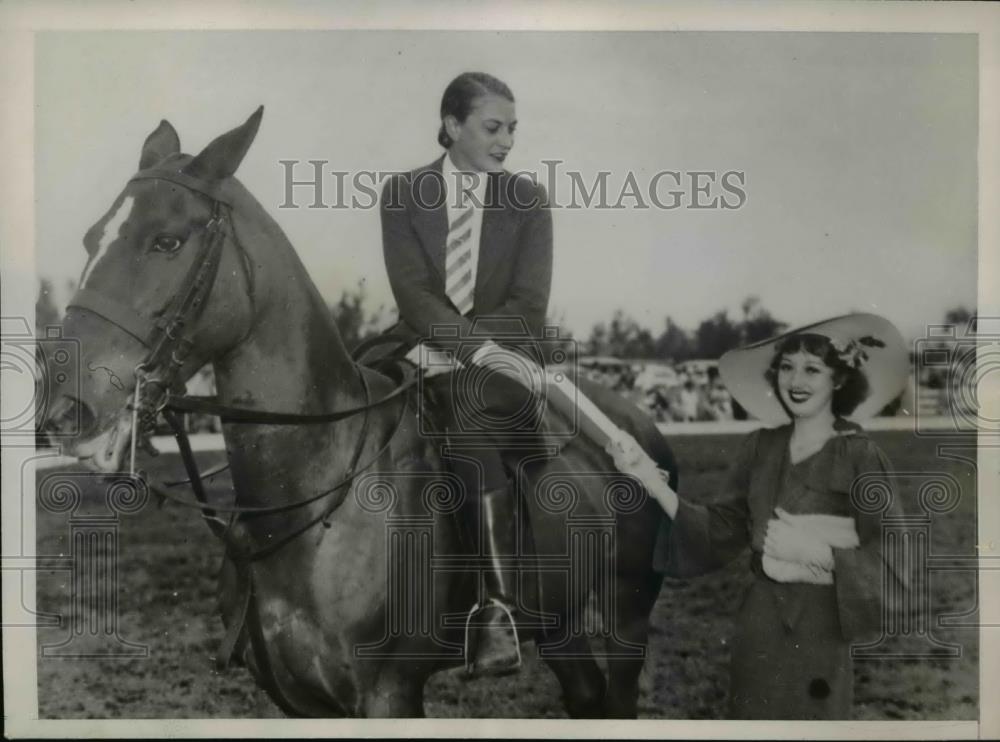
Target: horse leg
(581, 679)
(627, 645)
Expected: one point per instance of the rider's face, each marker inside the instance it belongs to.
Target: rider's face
(482, 141)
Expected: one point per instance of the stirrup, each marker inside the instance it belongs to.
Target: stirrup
(468, 620)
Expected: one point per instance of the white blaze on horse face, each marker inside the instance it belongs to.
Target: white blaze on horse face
(109, 235)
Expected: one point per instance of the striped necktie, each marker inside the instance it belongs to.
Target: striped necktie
(459, 281)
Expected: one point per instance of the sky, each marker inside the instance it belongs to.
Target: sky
(858, 153)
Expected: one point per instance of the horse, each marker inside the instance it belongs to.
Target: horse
(185, 269)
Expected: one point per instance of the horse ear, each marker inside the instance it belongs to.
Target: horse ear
(158, 145)
(223, 155)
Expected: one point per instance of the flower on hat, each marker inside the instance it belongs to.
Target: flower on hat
(852, 352)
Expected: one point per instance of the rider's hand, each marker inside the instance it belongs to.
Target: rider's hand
(431, 361)
(414, 355)
(513, 365)
(485, 353)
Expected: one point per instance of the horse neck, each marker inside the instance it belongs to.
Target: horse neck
(293, 360)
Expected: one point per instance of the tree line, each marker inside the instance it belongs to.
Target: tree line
(621, 337)
(624, 337)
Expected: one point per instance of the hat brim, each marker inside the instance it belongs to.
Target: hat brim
(743, 370)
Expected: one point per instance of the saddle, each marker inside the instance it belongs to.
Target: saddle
(386, 355)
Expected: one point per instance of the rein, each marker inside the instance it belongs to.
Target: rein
(196, 477)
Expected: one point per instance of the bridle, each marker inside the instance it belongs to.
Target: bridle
(167, 333)
(159, 387)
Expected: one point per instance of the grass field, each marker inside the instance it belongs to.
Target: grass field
(167, 569)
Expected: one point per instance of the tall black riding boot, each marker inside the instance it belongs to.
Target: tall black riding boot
(492, 645)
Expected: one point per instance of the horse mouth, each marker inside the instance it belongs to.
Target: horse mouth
(106, 452)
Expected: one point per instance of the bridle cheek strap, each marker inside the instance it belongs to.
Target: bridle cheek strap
(167, 337)
(172, 344)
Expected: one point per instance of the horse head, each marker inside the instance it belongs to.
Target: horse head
(167, 287)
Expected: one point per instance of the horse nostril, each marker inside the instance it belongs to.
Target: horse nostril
(70, 417)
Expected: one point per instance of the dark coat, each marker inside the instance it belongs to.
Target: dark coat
(791, 652)
(514, 272)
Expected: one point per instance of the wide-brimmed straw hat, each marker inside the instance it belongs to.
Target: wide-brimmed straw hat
(884, 363)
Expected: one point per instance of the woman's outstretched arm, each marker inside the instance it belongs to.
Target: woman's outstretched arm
(703, 537)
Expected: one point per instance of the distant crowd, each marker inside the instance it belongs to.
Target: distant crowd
(690, 391)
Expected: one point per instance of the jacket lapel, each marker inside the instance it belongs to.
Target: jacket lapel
(431, 224)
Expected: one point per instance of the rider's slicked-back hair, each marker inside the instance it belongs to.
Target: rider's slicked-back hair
(852, 384)
(460, 95)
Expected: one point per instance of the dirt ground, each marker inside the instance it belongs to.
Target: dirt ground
(167, 569)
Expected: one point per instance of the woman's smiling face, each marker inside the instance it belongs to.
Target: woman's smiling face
(806, 384)
(482, 141)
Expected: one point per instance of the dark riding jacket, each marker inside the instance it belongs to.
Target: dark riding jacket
(514, 272)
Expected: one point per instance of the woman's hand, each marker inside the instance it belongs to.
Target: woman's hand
(631, 458)
(836, 530)
(789, 543)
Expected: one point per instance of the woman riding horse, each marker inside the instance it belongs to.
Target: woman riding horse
(468, 250)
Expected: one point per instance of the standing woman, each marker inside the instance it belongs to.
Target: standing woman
(468, 250)
(808, 497)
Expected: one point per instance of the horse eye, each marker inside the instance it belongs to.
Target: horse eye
(167, 243)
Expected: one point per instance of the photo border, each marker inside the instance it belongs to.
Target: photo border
(20, 21)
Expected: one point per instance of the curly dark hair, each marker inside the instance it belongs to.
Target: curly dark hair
(851, 384)
(462, 92)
